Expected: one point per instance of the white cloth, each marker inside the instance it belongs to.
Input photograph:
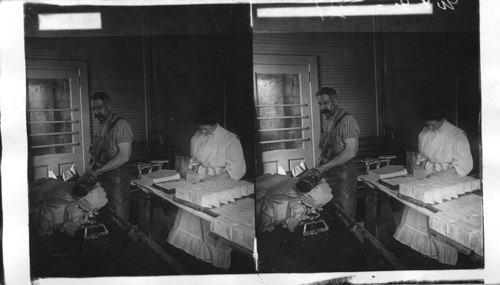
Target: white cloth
(321, 193)
(96, 198)
(218, 152)
(413, 232)
(191, 234)
(444, 148)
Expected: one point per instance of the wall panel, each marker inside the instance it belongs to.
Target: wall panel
(115, 65)
(198, 70)
(345, 62)
(418, 67)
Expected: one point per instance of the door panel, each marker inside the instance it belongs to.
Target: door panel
(293, 162)
(283, 107)
(57, 125)
(270, 167)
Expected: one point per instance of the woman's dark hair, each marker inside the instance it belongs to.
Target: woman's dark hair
(432, 111)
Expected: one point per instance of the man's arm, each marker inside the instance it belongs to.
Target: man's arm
(351, 148)
(123, 156)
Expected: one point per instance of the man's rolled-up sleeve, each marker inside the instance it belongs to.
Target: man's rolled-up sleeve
(123, 132)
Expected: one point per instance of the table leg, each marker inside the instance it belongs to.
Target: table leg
(385, 221)
(371, 213)
(145, 214)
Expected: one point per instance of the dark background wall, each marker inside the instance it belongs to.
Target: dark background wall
(345, 62)
(421, 66)
(385, 67)
(158, 64)
(191, 71)
(115, 65)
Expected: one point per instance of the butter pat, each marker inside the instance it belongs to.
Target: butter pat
(419, 173)
(440, 221)
(193, 177)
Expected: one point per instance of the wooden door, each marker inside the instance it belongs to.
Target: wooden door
(285, 116)
(58, 118)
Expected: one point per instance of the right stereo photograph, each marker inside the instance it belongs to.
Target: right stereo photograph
(368, 136)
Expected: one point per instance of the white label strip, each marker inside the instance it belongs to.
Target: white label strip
(70, 21)
(344, 11)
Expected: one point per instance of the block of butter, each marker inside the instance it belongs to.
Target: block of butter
(193, 177)
(419, 172)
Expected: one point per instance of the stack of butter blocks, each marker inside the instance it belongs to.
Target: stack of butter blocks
(462, 221)
(436, 189)
(214, 193)
(236, 222)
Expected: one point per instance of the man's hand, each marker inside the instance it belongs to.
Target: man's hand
(313, 171)
(121, 158)
(320, 169)
(83, 185)
(93, 173)
(351, 148)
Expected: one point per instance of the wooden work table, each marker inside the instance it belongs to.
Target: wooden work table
(372, 183)
(212, 215)
(426, 209)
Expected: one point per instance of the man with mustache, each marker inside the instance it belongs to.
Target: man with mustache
(111, 149)
(339, 145)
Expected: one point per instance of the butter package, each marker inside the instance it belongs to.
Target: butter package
(193, 177)
(419, 172)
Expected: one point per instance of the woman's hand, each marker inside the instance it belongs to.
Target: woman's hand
(448, 172)
(421, 160)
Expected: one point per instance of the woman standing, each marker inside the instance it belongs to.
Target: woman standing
(218, 154)
(443, 150)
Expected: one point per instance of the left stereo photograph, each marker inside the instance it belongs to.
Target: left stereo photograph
(140, 146)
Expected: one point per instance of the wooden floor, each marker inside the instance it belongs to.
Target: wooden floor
(59, 255)
(279, 251)
(282, 251)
